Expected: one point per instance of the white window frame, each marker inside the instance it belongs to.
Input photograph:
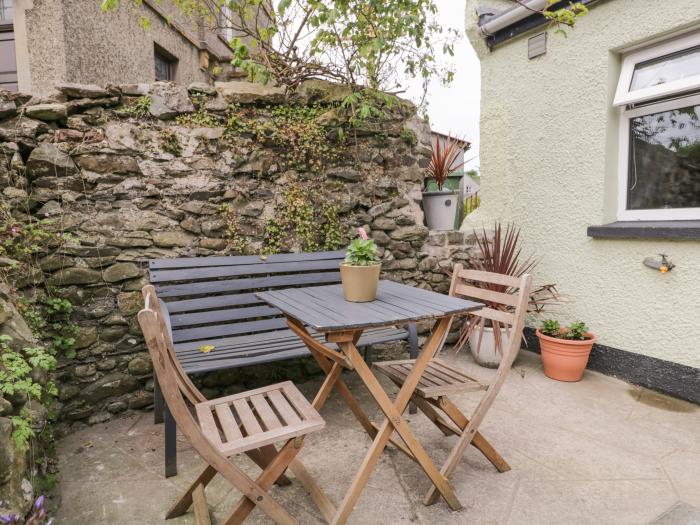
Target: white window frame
(628, 111)
(623, 95)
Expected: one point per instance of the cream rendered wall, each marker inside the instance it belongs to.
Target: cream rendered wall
(548, 163)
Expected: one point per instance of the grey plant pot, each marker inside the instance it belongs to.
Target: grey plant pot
(440, 208)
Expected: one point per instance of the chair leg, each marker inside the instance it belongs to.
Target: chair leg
(185, 501)
(413, 352)
(479, 441)
(170, 444)
(262, 457)
(158, 402)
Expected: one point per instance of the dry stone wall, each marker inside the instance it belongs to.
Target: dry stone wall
(137, 172)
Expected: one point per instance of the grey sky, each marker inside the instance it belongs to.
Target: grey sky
(455, 109)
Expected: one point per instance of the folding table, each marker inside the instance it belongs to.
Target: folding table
(323, 309)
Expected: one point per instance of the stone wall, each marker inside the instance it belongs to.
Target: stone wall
(132, 184)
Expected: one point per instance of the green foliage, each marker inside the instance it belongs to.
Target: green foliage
(362, 252)
(141, 108)
(62, 331)
(16, 368)
(293, 129)
(237, 243)
(577, 331)
(409, 137)
(169, 142)
(200, 118)
(304, 220)
(550, 327)
(563, 16)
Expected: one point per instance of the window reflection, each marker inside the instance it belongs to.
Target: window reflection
(672, 67)
(664, 164)
(6, 10)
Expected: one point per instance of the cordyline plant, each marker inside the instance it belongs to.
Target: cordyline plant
(502, 253)
(444, 159)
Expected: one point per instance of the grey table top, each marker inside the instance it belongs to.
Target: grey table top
(324, 309)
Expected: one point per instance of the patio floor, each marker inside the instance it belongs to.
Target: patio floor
(599, 451)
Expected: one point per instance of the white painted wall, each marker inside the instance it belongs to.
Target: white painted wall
(549, 160)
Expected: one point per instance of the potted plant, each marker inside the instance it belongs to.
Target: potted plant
(359, 273)
(565, 351)
(440, 206)
(500, 253)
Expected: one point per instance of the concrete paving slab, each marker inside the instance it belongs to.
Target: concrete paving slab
(599, 451)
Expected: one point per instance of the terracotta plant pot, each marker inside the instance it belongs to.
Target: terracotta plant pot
(565, 359)
(360, 282)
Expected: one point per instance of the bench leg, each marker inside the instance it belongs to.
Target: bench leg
(170, 444)
(158, 402)
(414, 350)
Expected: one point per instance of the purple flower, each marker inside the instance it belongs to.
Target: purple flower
(39, 502)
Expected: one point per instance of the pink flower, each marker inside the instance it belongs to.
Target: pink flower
(363, 234)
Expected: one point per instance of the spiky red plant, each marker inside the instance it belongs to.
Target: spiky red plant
(444, 160)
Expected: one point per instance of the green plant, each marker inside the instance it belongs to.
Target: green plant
(140, 108)
(237, 241)
(169, 142)
(16, 368)
(200, 118)
(409, 137)
(444, 159)
(62, 331)
(362, 251)
(576, 331)
(550, 327)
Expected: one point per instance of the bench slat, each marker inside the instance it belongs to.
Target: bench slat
(213, 272)
(235, 260)
(279, 281)
(209, 303)
(193, 334)
(218, 316)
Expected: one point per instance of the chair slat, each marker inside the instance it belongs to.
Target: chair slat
(488, 295)
(212, 302)
(206, 421)
(266, 414)
(223, 330)
(227, 421)
(245, 414)
(283, 407)
(496, 315)
(489, 277)
(218, 316)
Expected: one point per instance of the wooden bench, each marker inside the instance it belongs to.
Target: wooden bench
(209, 303)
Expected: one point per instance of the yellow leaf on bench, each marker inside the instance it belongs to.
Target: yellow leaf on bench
(205, 349)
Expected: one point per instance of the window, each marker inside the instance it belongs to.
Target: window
(165, 64)
(8, 63)
(659, 99)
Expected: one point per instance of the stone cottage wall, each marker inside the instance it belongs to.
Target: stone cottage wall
(130, 181)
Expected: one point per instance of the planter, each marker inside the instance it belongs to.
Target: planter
(440, 208)
(360, 282)
(564, 359)
(487, 356)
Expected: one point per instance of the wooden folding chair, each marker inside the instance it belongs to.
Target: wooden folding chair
(441, 379)
(249, 422)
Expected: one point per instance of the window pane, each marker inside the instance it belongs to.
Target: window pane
(664, 164)
(676, 66)
(6, 10)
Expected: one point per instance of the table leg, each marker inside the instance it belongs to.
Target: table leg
(395, 421)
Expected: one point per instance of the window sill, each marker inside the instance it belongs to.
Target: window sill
(669, 230)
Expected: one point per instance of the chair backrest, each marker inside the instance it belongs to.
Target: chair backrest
(188, 389)
(156, 341)
(506, 298)
(213, 297)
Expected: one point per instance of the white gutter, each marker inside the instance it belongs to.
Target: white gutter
(512, 16)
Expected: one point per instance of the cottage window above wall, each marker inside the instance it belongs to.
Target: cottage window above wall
(659, 98)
